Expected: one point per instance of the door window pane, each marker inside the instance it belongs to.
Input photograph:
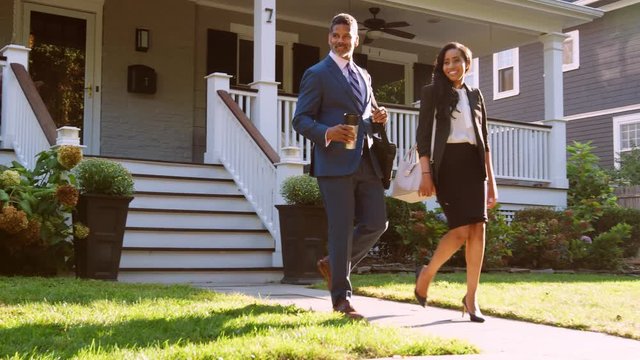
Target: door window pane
(57, 65)
(387, 81)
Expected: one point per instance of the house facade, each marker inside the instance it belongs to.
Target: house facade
(188, 93)
(601, 72)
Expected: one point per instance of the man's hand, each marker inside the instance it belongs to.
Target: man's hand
(379, 115)
(341, 133)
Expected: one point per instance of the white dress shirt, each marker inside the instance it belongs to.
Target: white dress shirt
(461, 121)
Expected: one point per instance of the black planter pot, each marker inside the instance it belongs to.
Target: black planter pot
(98, 256)
(303, 231)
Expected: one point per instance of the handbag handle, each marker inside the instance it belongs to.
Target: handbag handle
(433, 135)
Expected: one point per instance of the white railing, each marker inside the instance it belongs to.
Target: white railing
(245, 99)
(252, 170)
(20, 129)
(519, 151)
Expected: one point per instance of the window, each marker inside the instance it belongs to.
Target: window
(506, 74)
(392, 74)
(571, 51)
(472, 79)
(626, 133)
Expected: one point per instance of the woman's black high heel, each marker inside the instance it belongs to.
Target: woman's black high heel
(472, 317)
(422, 300)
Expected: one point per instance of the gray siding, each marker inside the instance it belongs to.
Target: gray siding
(609, 73)
(527, 106)
(157, 126)
(598, 130)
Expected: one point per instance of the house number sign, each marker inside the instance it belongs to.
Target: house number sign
(269, 15)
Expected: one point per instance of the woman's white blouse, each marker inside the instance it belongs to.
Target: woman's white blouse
(461, 121)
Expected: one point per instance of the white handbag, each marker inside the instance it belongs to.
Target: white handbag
(406, 184)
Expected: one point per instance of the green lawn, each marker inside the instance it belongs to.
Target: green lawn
(67, 318)
(604, 303)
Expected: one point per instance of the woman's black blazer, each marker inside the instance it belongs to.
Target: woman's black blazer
(443, 128)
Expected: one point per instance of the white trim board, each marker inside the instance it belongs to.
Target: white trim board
(609, 111)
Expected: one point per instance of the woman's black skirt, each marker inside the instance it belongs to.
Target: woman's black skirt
(462, 188)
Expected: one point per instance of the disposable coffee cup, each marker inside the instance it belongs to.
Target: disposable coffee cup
(352, 120)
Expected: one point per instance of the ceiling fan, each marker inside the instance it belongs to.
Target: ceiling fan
(375, 27)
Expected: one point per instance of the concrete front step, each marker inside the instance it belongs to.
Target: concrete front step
(200, 259)
(203, 276)
(164, 200)
(200, 238)
(185, 219)
(152, 183)
(172, 169)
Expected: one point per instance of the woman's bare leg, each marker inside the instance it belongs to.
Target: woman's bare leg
(448, 245)
(474, 254)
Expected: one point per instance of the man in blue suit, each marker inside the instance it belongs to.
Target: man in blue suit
(349, 179)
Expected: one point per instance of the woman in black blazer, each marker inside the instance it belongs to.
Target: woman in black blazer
(458, 169)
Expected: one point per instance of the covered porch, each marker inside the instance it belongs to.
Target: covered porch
(255, 52)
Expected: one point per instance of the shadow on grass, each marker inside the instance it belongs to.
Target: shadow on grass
(62, 341)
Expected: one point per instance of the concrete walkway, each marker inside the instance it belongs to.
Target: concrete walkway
(497, 338)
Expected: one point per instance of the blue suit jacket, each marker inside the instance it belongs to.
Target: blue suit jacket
(325, 96)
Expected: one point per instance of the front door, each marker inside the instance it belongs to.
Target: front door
(61, 63)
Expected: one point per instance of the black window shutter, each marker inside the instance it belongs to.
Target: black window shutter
(222, 49)
(421, 77)
(304, 56)
(361, 60)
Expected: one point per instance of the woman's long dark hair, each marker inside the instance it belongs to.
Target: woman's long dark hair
(446, 98)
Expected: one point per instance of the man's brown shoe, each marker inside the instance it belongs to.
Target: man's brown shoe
(344, 306)
(325, 270)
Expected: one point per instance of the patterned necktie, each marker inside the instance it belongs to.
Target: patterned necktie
(355, 85)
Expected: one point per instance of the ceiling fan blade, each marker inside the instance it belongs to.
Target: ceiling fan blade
(399, 33)
(396, 24)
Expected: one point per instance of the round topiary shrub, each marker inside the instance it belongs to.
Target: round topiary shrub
(301, 190)
(102, 176)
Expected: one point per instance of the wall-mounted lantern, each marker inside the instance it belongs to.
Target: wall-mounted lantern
(142, 40)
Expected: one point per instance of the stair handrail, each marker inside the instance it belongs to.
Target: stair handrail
(26, 126)
(250, 160)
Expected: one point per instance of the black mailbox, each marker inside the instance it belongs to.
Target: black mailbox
(141, 79)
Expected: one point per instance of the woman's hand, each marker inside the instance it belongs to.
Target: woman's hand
(426, 185)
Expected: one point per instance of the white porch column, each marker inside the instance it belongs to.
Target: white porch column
(215, 110)
(14, 54)
(554, 108)
(290, 165)
(264, 68)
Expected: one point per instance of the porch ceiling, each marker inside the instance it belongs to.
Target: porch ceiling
(486, 26)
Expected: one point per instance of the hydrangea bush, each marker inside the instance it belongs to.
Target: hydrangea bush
(35, 207)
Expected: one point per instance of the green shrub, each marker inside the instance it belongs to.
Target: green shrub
(615, 215)
(605, 252)
(105, 177)
(422, 232)
(589, 185)
(498, 240)
(544, 238)
(391, 246)
(628, 172)
(301, 190)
